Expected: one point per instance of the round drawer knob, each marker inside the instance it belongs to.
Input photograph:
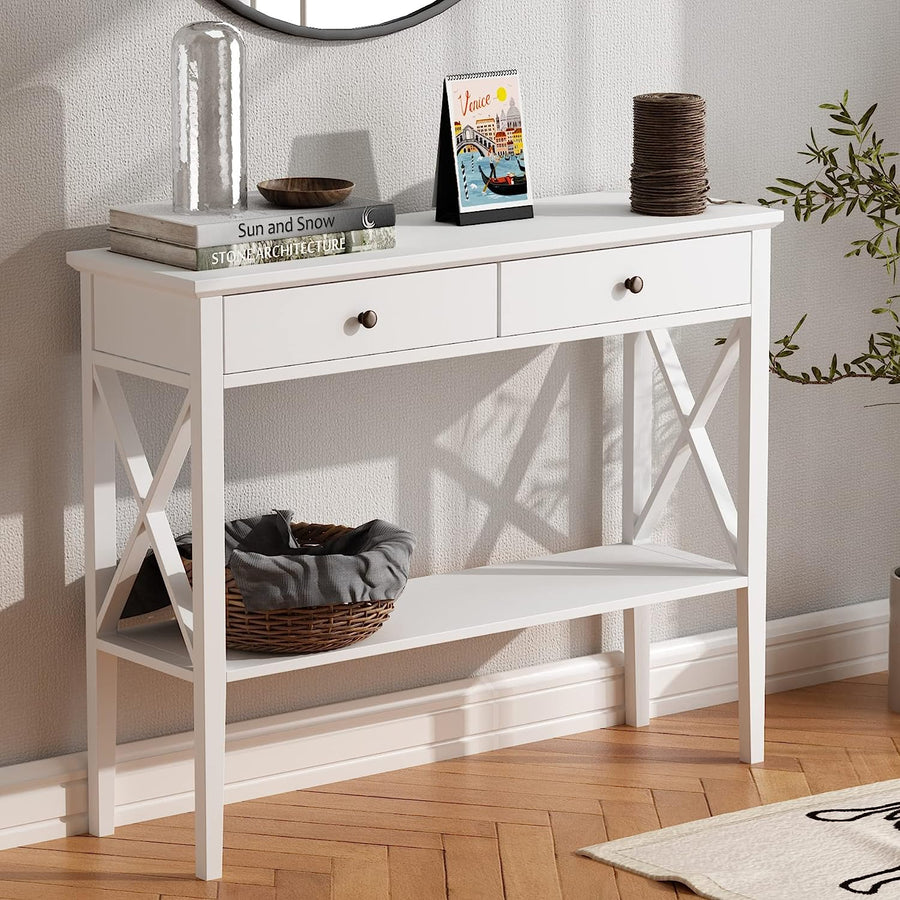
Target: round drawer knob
(367, 319)
(635, 284)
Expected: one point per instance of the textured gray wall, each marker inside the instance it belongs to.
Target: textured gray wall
(489, 458)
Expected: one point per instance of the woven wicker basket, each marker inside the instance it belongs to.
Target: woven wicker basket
(308, 630)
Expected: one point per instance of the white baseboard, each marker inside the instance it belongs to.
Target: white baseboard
(47, 799)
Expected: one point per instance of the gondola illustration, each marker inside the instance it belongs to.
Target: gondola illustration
(505, 185)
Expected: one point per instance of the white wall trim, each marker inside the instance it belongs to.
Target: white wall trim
(45, 799)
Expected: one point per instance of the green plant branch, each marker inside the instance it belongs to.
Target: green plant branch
(863, 182)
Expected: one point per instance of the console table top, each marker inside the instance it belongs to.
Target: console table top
(560, 225)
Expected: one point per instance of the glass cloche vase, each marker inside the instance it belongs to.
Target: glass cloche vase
(209, 126)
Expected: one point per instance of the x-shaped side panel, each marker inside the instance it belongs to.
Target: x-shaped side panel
(152, 491)
(694, 438)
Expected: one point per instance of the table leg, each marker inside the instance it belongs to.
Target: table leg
(208, 517)
(637, 666)
(637, 461)
(101, 741)
(753, 505)
(99, 459)
(751, 610)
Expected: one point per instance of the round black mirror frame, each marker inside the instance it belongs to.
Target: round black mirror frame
(340, 34)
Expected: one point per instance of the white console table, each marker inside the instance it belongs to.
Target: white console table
(584, 267)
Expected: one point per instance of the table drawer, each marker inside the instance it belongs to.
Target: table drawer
(575, 289)
(306, 324)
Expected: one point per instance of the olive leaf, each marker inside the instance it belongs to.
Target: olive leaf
(861, 180)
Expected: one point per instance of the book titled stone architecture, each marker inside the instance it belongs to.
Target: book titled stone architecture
(252, 253)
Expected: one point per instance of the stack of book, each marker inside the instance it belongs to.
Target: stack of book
(260, 234)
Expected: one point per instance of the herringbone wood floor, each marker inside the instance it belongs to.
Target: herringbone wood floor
(498, 825)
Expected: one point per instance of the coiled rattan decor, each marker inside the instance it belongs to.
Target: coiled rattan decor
(668, 174)
(307, 630)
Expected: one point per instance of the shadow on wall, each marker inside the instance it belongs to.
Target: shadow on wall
(419, 196)
(522, 425)
(346, 154)
(349, 154)
(39, 436)
(446, 428)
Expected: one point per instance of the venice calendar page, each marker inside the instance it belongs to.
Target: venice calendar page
(488, 140)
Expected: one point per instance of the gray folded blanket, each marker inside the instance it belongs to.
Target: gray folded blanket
(272, 571)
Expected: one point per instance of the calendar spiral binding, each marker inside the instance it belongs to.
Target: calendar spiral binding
(499, 73)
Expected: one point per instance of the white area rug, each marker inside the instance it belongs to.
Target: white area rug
(832, 846)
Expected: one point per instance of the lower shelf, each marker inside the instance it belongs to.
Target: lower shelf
(441, 608)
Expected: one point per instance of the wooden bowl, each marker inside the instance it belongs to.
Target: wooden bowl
(305, 192)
